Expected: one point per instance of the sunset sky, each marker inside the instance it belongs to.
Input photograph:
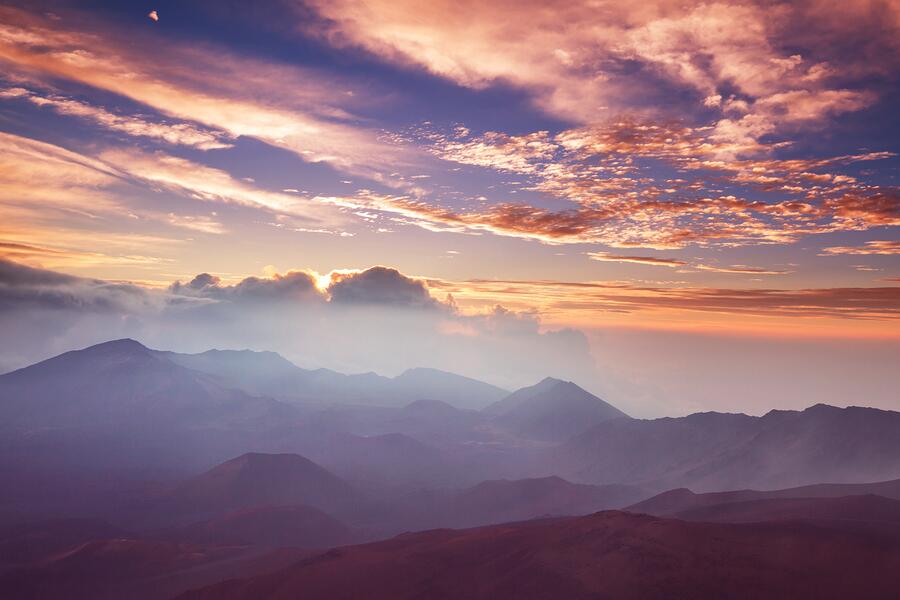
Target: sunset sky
(725, 170)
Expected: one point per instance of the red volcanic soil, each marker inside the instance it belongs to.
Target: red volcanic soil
(117, 569)
(607, 555)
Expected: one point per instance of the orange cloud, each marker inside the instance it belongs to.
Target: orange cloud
(871, 247)
(584, 302)
(571, 56)
(641, 260)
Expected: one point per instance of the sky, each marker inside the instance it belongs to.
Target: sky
(681, 206)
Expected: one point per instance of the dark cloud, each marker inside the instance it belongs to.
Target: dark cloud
(380, 286)
(376, 286)
(24, 287)
(294, 286)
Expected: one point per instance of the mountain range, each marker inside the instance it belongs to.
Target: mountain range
(141, 473)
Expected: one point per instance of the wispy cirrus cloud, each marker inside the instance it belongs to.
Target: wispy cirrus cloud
(871, 247)
(641, 260)
(286, 106)
(682, 264)
(181, 133)
(596, 298)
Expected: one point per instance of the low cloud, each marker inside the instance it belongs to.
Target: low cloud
(376, 319)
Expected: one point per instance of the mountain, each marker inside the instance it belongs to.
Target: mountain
(552, 410)
(422, 419)
(820, 444)
(36, 541)
(714, 451)
(137, 569)
(269, 374)
(297, 526)
(868, 509)
(500, 501)
(257, 480)
(679, 500)
(122, 383)
(456, 390)
(606, 555)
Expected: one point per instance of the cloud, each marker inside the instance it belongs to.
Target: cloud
(582, 61)
(870, 247)
(617, 195)
(740, 269)
(285, 106)
(375, 286)
(641, 260)
(673, 263)
(291, 287)
(26, 288)
(381, 286)
(373, 319)
(585, 301)
(179, 133)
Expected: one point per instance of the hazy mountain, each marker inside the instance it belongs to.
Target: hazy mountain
(257, 480)
(855, 511)
(679, 500)
(606, 555)
(431, 421)
(122, 383)
(456, 390)
(820, 444)
(552, 410)
(500, 501)
(269, 374)
(713, 451)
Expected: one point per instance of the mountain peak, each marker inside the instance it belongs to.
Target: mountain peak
(120, 345)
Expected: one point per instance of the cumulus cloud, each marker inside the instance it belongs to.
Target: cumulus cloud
(381, 286)
(291, 287)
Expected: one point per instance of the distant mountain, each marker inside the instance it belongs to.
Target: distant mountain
(500, 501)
(269, 374)
(680, 500)
(122, 383)
(552, 410)
(820, 444)
(456, 390)
(257, 480)
(606, 555)
(713, 451)
(297, 526)
(877, 511)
